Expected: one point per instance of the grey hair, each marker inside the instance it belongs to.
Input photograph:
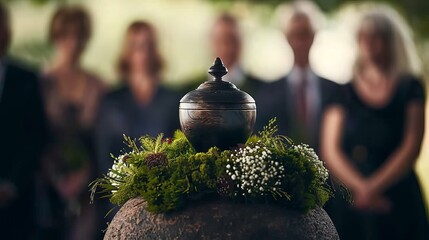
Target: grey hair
(387, 26)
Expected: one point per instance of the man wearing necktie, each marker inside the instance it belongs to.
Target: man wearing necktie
(298, 99)
(22, 133)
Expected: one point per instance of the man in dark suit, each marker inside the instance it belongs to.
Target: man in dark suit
(298, 99)
(226, 43)
(22, 128)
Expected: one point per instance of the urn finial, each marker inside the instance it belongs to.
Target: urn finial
(218, 70)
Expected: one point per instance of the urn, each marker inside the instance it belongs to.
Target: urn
(217, 113)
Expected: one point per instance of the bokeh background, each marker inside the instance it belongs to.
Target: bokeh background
(183, 29)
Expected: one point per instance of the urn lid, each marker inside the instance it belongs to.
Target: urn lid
(217, 91)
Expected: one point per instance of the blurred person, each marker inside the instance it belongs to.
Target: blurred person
(371, 137)
(141, 106)
(298, 99)
(226, 43)
(22, 134)
(72, 95)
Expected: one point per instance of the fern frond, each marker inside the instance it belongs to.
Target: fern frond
(269, 130)
(131, 143)
(159, 144)
(147, 143)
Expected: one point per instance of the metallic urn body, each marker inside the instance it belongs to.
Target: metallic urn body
(217, 113)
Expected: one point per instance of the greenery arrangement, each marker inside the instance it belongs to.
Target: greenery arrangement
(169, 173)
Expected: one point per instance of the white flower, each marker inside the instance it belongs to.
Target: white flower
(311, 156)
(255, 170)
(116, 172)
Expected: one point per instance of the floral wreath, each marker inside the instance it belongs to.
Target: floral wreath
(168, 173)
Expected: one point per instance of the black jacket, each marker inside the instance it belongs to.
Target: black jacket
(22, 135)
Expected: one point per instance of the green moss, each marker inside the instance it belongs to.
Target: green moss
(188, 174)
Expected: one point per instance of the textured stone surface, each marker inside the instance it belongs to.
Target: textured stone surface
(220, 220)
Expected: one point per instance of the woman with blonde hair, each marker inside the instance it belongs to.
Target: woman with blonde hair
(371, 137)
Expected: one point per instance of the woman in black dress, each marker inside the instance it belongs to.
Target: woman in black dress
(140, 107)
(371, 137)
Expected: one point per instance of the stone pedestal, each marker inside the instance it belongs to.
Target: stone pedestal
(220, 220)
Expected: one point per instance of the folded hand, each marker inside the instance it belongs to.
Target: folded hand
(367, 198)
